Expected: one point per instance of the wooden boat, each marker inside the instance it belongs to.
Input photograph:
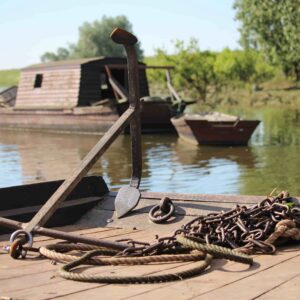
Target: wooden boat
(21, 203)
(98, 119)
(214, 129)
(84, 95)
(270, 277)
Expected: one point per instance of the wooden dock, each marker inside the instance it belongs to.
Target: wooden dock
(271, 277)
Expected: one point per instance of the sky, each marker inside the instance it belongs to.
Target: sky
(28, 28)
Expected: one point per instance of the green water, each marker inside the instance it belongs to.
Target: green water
(270, 161)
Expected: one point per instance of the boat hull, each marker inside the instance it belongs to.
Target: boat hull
(220, 133)
(21, 203)
(155, 117)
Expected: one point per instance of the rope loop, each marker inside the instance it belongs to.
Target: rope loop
(285, 229)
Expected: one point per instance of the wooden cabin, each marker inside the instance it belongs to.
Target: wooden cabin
(8, 96)
(71, 83)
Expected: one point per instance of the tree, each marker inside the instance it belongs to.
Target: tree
(194, 71)
(94, 41)
(246, 66)
(61, 54)
(272, 26)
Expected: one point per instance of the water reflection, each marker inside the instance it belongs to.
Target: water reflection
(169, 164)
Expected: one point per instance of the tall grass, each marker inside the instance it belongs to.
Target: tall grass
(9, 77)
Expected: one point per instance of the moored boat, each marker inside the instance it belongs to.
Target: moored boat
(84, 95)
(21, 203)
(214, 129)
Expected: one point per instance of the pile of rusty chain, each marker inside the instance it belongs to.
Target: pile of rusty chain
(246, 229)
(249, 230)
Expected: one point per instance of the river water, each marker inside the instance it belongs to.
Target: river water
(271, 160)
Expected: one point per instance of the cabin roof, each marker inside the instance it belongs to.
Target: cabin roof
(71, 62)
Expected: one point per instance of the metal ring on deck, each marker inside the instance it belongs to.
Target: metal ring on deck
(17, 242)
(161, 212)
(20, 231)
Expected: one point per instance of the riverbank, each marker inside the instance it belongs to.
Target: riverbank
(277, 92)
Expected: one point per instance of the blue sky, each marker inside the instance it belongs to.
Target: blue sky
(28, 28)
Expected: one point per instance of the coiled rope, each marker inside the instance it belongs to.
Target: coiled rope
(203, 258)
(285, 229)
(216, 251)
(53, 252)
(65, 272)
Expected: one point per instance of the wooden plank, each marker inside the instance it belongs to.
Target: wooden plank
(264, 281)
(49, 92)
(208, 197)
(69, 228)
(62, 80)
(185, 211)
(69, 291)
(10, 268)
(220, 276)
(39, 240)
(185, 290)
(289, 290)
(29, 209)
(38, 286)
(235, 271)
(192, 208)
(61, 71)
(38, 276)
(135, 219)
(160, 290)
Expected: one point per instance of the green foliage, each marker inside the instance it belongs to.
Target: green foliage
(94, 41)
(9, 77)
(61, 54)
(272, 26)
(246, 66)
(156, 77)
(202, 74)
(194, 71)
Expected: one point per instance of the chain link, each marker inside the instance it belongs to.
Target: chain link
(244, 228)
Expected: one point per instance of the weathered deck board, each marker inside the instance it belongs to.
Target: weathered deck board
(31, 285)
(221, 274)
(287, 290)
(40, 285)
(187, 207)
(265, 280)
(268, 278)
(108, 235)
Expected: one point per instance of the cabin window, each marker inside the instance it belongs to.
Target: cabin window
(38, 81)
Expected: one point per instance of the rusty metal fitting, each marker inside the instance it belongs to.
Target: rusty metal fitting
(17, 240)
(162, 212)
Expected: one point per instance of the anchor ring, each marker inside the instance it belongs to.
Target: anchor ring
(20, 231)
(16, 247)
(161, 212)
